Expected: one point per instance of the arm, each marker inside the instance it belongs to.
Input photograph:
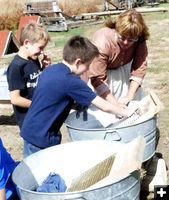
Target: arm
(18, 100)
(2, 194)
(139, 65)
(109, 97)
(17, 82)
(105, 41)
(117, 109)
(98, 76)
(131, 92)
(138, 71)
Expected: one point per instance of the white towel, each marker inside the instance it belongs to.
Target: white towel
(104, 118)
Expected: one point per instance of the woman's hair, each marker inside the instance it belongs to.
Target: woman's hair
(130, 23)
(34, 32)
(79, 47)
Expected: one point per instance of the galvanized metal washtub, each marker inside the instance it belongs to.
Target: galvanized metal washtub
(84, 126)
(69, 160)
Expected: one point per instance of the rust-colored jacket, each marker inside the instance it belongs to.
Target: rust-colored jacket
(112, 56)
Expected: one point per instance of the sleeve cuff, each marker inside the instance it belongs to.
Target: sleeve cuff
(137, 79)
(101, 89)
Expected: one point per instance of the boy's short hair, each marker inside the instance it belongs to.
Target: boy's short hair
(34, 32)
(79, 47)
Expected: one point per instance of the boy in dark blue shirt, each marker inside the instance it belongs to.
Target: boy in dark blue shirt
(25, 68)
(59, 86)
(7, 165)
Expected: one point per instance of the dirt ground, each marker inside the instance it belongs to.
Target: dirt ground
(9, 133)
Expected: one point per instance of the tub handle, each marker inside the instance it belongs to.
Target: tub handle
(77, 198)
(112, 135)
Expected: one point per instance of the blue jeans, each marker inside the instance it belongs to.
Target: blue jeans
(29, 149)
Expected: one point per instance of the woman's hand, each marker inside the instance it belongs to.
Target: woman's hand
(130, 94)
(124, 100)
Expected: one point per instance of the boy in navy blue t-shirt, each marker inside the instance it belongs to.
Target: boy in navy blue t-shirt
(25, 68)
(59, 86)
(7, 165)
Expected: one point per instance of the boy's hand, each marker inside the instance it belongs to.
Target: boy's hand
(121, 110)
(126, 112)
(46, 61)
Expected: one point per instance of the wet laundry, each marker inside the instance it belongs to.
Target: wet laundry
(54, 183)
